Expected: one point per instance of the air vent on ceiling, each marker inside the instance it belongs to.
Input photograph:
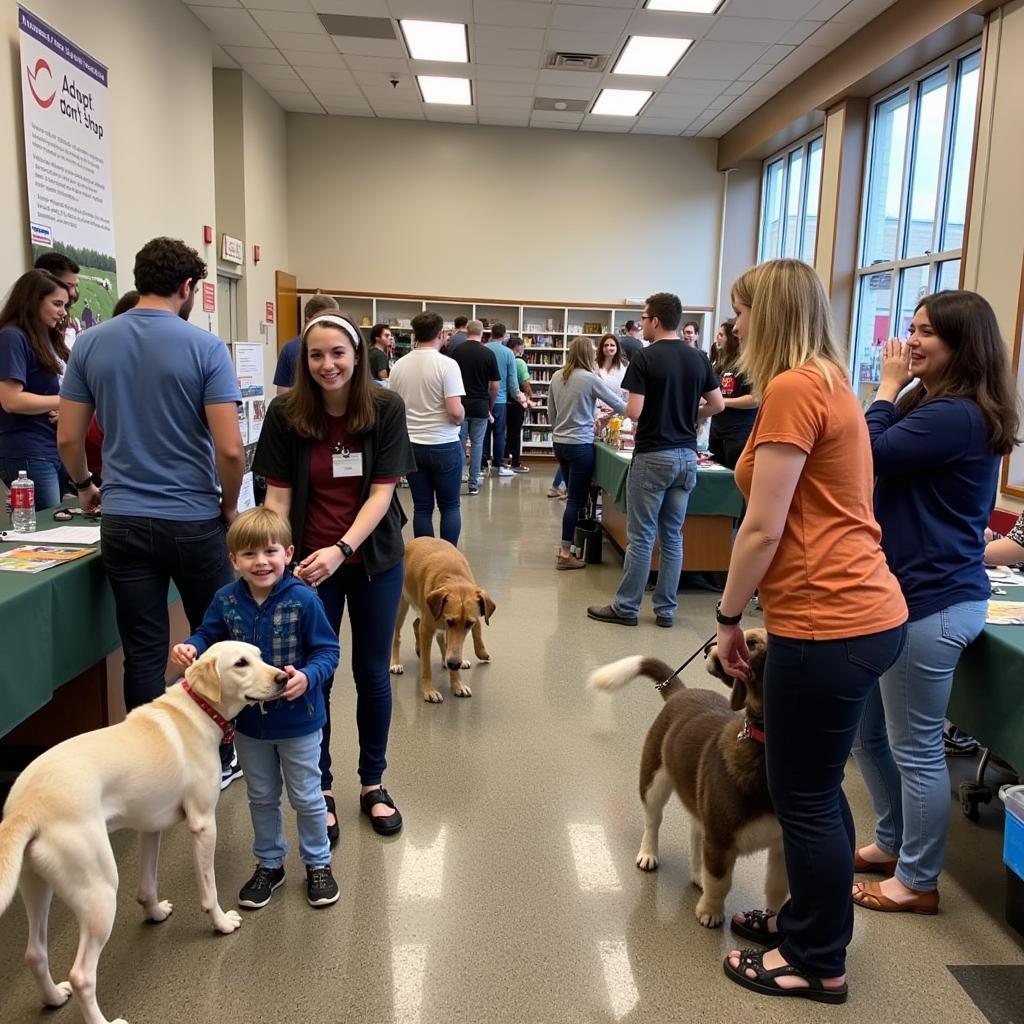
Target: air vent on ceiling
(552, 103)
(354, 26)
(578, 61)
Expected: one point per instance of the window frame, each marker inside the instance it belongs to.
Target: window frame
(785, 157)
(934, 257)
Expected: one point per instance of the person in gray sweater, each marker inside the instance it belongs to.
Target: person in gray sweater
(572, 397)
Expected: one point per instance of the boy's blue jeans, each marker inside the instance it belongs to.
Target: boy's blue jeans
(296, 760)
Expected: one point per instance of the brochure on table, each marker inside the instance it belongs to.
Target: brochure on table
(37, 557)
(248, 357)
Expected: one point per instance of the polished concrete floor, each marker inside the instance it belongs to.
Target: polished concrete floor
(511, 895)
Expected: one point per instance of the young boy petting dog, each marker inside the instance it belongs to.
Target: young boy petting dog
(284, 618)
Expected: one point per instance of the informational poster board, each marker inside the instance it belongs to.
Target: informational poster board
(68, 161)
(248, 358)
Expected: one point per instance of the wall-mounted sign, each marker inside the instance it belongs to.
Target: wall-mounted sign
(209, 297)
(232, 250)
(270, 313)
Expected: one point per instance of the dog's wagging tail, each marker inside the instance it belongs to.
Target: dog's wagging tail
(636, 666)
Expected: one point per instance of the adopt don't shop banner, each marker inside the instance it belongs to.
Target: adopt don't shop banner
(67, 160)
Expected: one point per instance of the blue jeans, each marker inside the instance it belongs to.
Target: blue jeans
(296, 758)
(559, 477)
(658, 491)
(814, 695)
(475, 429)
(141, 556)
(576, 462)
(49, 476)
(494, 441)
(372, 610)
(438, 474)
(899, 746)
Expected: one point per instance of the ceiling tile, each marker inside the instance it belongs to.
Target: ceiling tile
(509, 120)
(826, 9)
(598, 125)
(512, 13)
(279, 5)
(349, 108)
(669, 23)
(832, 34)
(433, 10)
(300, 59)
(296, 87)
(340, 75)
(336, 94)
(695, 86)
(755, 71)
(774, 54)
(494, 36)
(246, 55)
(273, 73)
(548, 77)
(373, 83)
(382, 64)
(289, 21)
(607, 3)
(298, 103)
(453, 115)
(657, 126)
(785, 10)
(800, 31)
(749, 30)
(508, 58)
(505, 102)
(862, 11)
(356, 8)
(488, 88)
(567, 92)
(487, 72)
(370, 47)
(583, 42)
(735, 89)
(575, 17)
(214, 3)
(222, 59)
(305, 41)
(715, 59)
(231, 26)
(558, 126)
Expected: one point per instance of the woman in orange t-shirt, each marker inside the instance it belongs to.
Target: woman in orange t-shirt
(834, 613)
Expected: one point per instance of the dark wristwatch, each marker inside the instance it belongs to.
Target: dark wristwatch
(82, 485)
(726, 620)
(344, 548)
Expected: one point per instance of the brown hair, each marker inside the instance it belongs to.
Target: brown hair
(22, 310)
(618, 359)
(579, 357)
(304, 403)
(978, 368)
(667, 308)
(319, 304)
(726, 357)
(256, 528)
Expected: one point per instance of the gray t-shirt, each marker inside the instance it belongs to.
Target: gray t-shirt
(571, 405)
(149, 374)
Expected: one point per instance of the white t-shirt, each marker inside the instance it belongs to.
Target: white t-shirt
(425, 378)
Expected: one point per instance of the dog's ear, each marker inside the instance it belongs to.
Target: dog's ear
(436, 600)
(487, 606)
(203, 677)
(738, 698)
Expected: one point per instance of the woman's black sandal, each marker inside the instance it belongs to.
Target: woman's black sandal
(333, 831)
(754, 928)
(384, 825)
(764, 980)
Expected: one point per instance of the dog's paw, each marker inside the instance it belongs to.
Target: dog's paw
(161, 911)
(432, 697)
(230, 921)
(484, 658)
(466, 664)
(647, 862)
(710, 917)
(462, 691)
(397, 670)
(63, 994)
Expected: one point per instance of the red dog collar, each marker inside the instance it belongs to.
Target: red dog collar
(225, 726)
(751, 732)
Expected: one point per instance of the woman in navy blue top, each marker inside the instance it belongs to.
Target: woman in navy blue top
(936, 454)
(32, 358)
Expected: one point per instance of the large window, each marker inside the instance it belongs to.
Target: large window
(915, 202)
(790, 190)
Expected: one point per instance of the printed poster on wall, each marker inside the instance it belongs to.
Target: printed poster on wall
(248, 357)
(67, 162)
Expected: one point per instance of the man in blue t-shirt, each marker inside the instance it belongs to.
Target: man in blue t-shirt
(284, 375)
(165, 394)
(508, 391)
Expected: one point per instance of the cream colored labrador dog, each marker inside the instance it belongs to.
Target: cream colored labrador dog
(157, 767)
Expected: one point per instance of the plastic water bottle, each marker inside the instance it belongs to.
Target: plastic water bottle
(23, 503)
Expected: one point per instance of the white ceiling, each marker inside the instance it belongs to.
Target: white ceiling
(741, 56)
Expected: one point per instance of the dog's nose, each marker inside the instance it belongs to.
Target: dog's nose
(709, 647)
(281, 679)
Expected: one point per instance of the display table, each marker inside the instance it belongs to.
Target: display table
(714, 506)
(61, 670)
(987, 701)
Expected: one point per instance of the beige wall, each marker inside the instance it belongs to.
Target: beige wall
(161, 123)
(739, 229)
(439, 209)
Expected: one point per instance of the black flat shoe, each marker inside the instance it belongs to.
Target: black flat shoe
(754, 928)
(384, 825)
(333, 831)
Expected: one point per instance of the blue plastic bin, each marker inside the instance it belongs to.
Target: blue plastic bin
(1013, 857)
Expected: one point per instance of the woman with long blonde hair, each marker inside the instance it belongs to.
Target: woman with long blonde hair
(834, 613)
(573, 394)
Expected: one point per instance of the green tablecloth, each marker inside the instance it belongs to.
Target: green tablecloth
(988, 689)
(54, 625)
(715, 494)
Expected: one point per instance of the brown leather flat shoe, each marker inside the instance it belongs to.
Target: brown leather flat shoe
(870, 896)
(868, 867)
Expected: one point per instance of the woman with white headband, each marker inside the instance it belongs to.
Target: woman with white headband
(332, 450)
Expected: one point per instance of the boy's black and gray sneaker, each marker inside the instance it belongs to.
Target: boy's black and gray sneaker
(230, 770)
(321, 888)
(257, 891)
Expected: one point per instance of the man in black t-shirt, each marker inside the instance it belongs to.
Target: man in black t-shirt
(666, 382)
(380, 339)
(480, 377)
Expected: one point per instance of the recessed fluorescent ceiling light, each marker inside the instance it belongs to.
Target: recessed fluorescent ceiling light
(686, 6)
(453, 91)
(650, 55)
(436, 40)
(621, 102)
